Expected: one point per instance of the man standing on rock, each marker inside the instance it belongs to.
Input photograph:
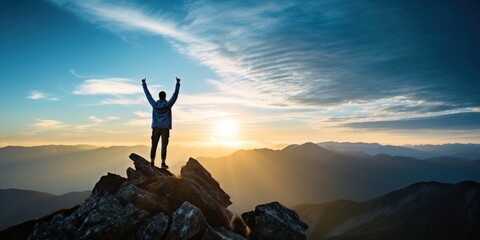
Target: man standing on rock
(161, 120)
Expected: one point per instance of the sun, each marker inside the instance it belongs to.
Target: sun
(226, 129)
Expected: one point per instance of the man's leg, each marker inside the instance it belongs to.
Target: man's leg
(153, 150)
(165, 136)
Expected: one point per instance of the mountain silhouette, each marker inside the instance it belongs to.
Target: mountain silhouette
(460, 151)
(310, 173)
(153, 203)
(59, 169)
(17, 205)
(296, 174)
(375, 149)
(426, 210)
(466, 151)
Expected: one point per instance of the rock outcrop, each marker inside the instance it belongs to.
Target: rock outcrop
(274, 221)
(153, 203)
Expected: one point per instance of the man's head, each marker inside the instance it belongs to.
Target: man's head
(162, 95)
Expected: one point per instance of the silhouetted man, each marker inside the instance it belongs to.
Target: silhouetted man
(161, 120)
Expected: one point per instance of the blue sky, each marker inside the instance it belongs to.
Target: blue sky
(278, 71)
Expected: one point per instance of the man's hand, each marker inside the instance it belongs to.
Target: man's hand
(143, 80)
(178, 79)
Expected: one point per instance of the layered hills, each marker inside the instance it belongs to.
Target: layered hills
(453, 150)
(310, 173)
(293, 175)
(18, 205)
(425, 210)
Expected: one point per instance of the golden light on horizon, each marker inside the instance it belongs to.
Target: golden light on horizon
(226, 133)
(226, 129)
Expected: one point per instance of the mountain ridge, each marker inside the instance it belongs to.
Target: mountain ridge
(309, 171)
(424, 210)
(18, 205)
(467, 151)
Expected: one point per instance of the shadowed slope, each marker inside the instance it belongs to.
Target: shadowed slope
(427, 210)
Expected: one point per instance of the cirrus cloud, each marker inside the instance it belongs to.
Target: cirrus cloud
(36, 95)
(321, 54)
(108, 86)
(49, 124)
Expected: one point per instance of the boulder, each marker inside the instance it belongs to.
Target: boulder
(143, 199)
(146, 169)
(179, 190)
(198, 175)
(187, 222)
(154, 228)
(211, 234)
(133, 174)
(226, 234)
(45, 230)
(109, 183)
(103, 217)
(274, 221)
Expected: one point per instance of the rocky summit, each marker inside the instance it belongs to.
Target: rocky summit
(153, 203)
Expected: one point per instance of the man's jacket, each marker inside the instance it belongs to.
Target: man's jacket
(162, 109)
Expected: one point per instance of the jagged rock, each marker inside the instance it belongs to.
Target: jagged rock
(146, 169)
(152, 203)
(228, 235)
(179, 190)
(133, 216)
(238, 226)
(103, 217)
(154, 228)
(274, 221)
(143, 199)
(133, 174)
(197, 186)
(109, 183)
(211, 234)
(45, 230)
(196, 173)
(187, 222)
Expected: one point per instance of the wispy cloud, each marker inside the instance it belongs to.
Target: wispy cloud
(124, 16)
(49, 124)
(143, 114)
(36, 95)
(82, 76)
(139, 122)
(109, 86)
(456, 121)
(72, 71)
(143, 119)
(114, 91)
(317, 54)
(96, 121)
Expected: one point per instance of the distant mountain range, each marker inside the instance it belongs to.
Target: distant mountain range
(310, 173)
(461, 151)
(293, 175)
(427, 210)
(60, 169)
(17, 205)
(306, 173)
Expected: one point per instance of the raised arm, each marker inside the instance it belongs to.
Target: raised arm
(147, 93)
(174, 97)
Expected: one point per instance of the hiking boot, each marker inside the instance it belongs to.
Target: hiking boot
(164, 166)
